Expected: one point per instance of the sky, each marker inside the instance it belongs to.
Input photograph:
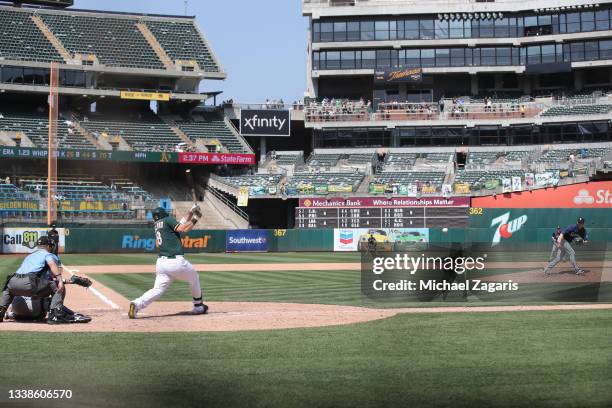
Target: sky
(261, 44)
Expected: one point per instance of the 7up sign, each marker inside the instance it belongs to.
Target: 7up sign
(504, 227)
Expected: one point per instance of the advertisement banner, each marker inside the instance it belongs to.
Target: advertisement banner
(145, 96)
(321, 189)
(517, 185)
(340, 188)
(216, 158)
(90, 206)
(243, 196)
(23, 240)
(529, 179)
(246, 241)
(462, 188)
(394, 75)
(387, 239)
(265, 122)
(18, 205)
(547, 179)
(354, 202)
(507, 185)
(582, 195)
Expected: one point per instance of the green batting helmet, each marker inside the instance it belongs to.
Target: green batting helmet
(159, 213)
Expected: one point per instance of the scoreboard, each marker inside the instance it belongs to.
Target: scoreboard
(383, 213)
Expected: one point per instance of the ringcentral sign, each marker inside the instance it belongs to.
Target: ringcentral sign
(265, 122)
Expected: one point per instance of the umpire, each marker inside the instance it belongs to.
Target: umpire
(39, 276)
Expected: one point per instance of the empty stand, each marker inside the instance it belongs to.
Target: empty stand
(212, 126)
(36, 126)
(146, 133)
(114, 41)
(182, 41)
(21, 39)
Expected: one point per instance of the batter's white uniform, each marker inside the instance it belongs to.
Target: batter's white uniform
(168, 270)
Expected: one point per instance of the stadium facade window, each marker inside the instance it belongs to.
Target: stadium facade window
(340, 31)
(382, 30)
(411, 30)
(591, 50)
(577, 50)
(463, 56)
(441, 29)
(367, 31)
(442, 57)
(573, 22)
(602, 20)
(587, 19)
(456, 29)
(425, 27)
(605, 49)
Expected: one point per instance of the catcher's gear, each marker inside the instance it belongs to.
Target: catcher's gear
(159, 213)
(79, 280)
(48, 241)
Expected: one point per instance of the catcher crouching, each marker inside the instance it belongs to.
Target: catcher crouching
(39, 279)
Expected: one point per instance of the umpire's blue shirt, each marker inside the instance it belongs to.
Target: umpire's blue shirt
(37, 262)
(572, 232)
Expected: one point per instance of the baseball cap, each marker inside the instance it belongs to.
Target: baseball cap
(580, 220)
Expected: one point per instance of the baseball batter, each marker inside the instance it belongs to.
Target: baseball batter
(171, 263)
(575, 232)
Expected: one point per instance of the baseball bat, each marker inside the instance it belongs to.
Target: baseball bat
(191, 184)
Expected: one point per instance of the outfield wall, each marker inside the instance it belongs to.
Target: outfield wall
(492, 226)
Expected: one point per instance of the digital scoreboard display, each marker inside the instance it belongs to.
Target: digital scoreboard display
(430, 212)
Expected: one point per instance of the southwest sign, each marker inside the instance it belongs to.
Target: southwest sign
(582, 195)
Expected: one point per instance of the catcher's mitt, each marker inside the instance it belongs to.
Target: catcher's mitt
(80, 281)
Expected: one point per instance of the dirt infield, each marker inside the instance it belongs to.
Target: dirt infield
(109, 309)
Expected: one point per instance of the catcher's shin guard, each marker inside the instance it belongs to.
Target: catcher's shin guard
(2, 312)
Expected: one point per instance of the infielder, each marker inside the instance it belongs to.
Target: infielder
(568, 235)
(171, 263)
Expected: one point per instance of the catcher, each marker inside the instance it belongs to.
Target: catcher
(574, 233)
(26, 308)
(40, 277)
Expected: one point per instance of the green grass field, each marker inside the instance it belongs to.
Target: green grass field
(550, 359)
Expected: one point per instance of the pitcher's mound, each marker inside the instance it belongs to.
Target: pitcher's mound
(222, 316)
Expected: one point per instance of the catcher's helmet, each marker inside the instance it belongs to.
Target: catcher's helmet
(159, 213)
(46, 241)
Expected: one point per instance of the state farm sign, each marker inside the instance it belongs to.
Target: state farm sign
(582, 195)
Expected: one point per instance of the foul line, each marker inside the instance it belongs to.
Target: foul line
(94, 290)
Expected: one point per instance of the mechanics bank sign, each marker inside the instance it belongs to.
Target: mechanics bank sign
(246, 241)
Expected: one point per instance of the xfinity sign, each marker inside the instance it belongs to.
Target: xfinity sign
(265, 122)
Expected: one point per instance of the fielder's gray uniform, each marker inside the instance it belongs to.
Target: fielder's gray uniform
(569, 234)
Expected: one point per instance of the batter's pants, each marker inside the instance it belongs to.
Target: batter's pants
(567, 251)
(167, 271)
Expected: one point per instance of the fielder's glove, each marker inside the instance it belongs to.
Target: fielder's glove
(80, 281)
